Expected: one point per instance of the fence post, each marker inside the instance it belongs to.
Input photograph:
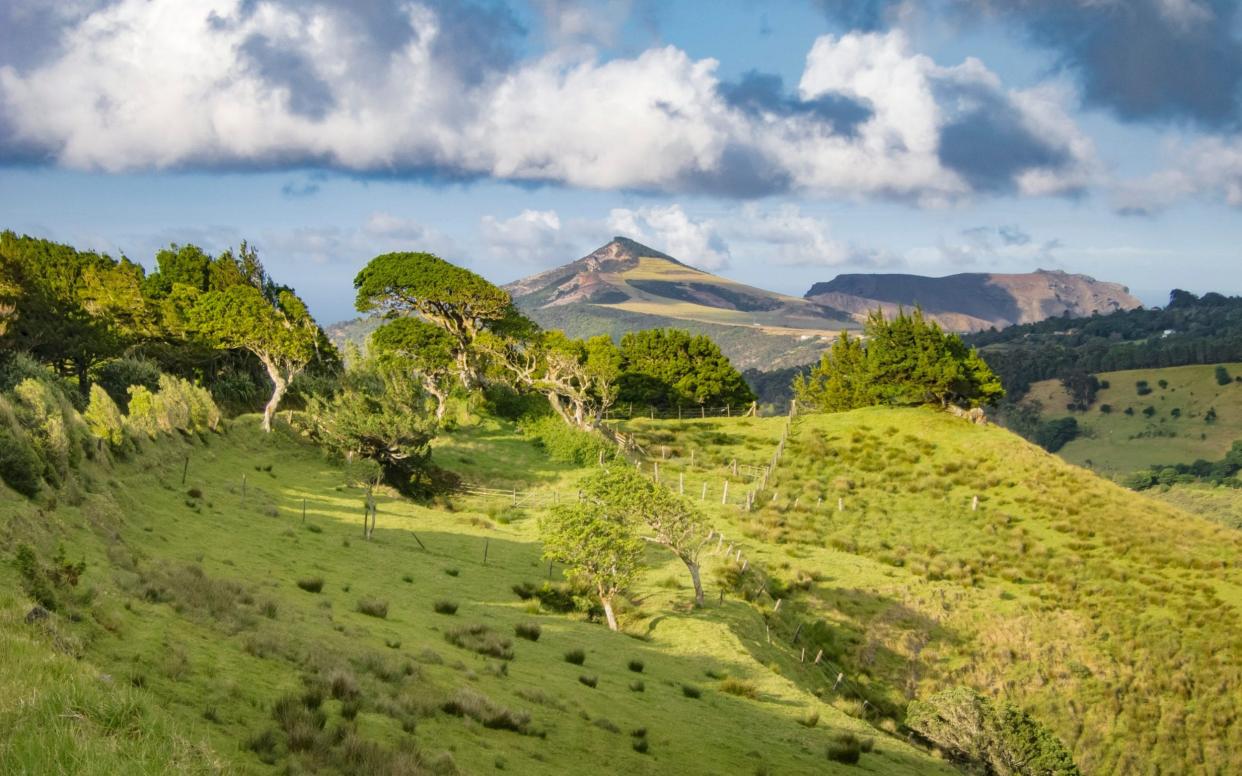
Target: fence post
(728, 410)
(681, 483)
(243, 489)
(185, 470)
(679, 412)
(486, 542)
(724, 496)
(704, 496)
(840, 504)
(703, 410)
(974, 503)
(303, 510)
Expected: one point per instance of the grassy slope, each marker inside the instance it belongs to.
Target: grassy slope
(194, 616)
(1117, 443)
(1224, 505)
(1112, 616)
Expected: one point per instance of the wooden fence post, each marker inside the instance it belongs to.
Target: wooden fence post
(724, 497)
(681, 483)
(186, 469)
(485, 544)
(704, 496)
(303, 510)
(974, 504)
(840, 504)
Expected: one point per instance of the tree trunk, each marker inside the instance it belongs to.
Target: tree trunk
(612, 618)
(694, 577)
(84, 385)
(555, 400)
(430, 386)
(280, 386)
(464, 370)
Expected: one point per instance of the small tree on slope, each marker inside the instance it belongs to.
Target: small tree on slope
(598, 549)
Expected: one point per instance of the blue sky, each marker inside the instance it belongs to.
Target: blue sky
(778, 143)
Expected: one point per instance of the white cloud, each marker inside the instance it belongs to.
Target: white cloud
(668, 229)
(530, 236)
(787, 236)
(157, 84)
(1208, 168)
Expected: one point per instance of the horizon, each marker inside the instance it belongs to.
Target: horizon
(777, 145)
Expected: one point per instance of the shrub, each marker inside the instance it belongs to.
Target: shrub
(103, 418)
(563, 443)
(637, 685)
(445, 606)
(373, 607)
(468, 703)
(452, 572)
(342, 685)
(1142, 388)
(528, 630)
(844, 748)
(640, 745)
(53, 426)
(19, 465)
(116, 376)
(604, 723)
(636, 666)
(481, 639)
(576, 656)
(810, 719)
(311, 584)
(740, 688)
(690, 691)
(1222, 375)
(589, 681)
(141, 419)
(407, 578)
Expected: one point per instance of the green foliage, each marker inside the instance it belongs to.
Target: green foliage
(104, 418)
(907, 361)
(565, 443)
(56, 431)
(481, 639)
(844, 748)
(1222, 375)
(668, 367)
(142, 419)
(1003, 739)
(599, 549)
(1052, 435)
(1220, 473)
(117, 375)
(20, 467)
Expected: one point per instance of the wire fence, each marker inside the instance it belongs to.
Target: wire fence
(681, 412)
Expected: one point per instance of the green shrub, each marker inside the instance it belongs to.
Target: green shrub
(141, 419)
(576, 656)
(54, 427)
(740, 688)
(564, 443)
(104, 419)
(844, 748)
(637, 685)
(20, 467)
(528, 630)
(810, 719)
(444, 606)
(589, 681)
(636, 666)
(481, 639)
(690, 691)
(116, 376)
(373, 607)
(469, 703)
(640, 745)
(1222, 375)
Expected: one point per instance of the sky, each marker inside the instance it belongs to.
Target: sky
(777, 143)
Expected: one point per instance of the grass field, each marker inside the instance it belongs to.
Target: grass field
(1224, 505)
(197, 645)
(1117, 443)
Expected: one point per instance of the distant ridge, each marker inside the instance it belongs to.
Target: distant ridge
(975, 301)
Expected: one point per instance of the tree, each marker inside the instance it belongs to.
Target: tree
(1222, 375)
(455, 299)
(1082, 387)
(598, 548)
(424, 350)
(671, 366)
(283, 336)
(379, 417)
(907, 361)
(1005, 741)
(663, 517)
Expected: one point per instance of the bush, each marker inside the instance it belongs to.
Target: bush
(589, 681)
(444, 606)
(844, 748)
(373, 607)
(637, 685)
(690, 691)
(103, 418)
(740, 688)
(1222, 375)
(576, 656)
(20, 467)
(810, 719)
(636, 666)
(481, 639)
(640, 745)
(528, 630)
(141, 419)
(116, 376)
(565, 444)
(54, 428)
(468, 703)
(1142, 388)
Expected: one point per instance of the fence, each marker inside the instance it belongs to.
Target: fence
(681, 412)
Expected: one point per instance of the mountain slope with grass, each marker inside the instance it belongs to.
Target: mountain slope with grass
(1146, 417)
(637, 287)
(239, 636)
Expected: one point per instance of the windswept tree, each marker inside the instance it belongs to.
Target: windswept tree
(671, 366)
(598, 548)
(457, 300)
(659, 515)
(283, 336)
(424, 350)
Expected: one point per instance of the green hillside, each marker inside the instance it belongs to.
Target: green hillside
(1175, 431)
(1103, 612)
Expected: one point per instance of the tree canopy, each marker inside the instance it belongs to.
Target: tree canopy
(905, 361)
(666, 367)
(420, 348)
(598, 547)
(451, 297)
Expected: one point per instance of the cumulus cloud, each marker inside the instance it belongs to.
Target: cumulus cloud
(696, 242)
(1208, 168)
(988, 246)
(435, 88)
(532, 236)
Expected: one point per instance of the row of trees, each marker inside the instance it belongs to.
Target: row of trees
(903, 361)
(196, 315)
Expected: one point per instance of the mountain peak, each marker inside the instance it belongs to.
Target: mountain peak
(624, 249)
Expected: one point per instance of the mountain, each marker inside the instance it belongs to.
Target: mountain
(975, 301)
(625, 285)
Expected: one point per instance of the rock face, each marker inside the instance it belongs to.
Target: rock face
(975, 301)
